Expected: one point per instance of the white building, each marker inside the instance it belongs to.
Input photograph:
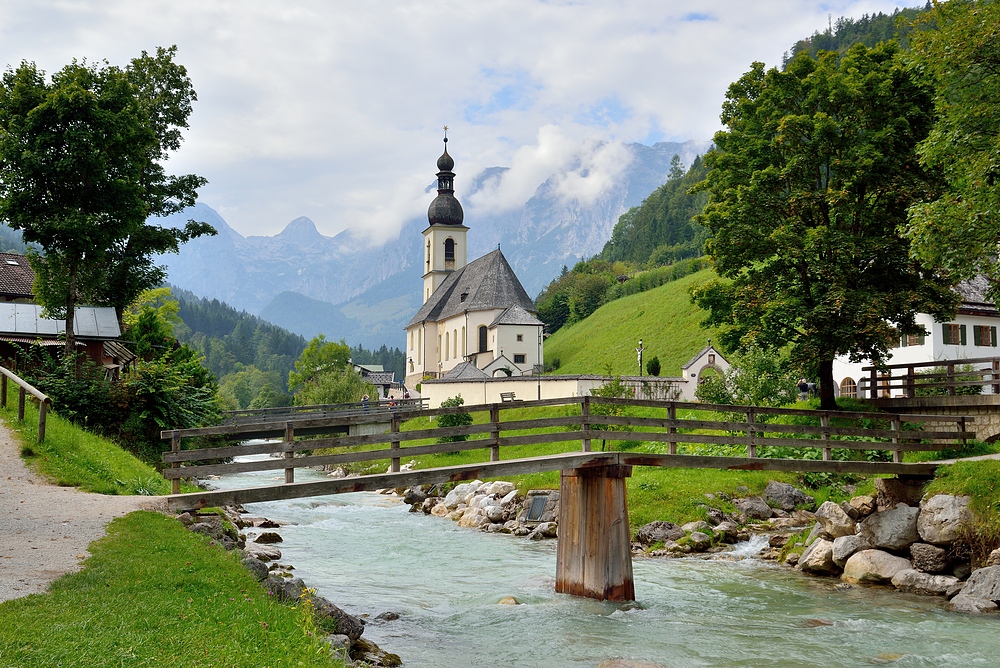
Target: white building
(972, 334)
(477, 312)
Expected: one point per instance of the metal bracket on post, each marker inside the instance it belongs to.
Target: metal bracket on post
(289, 453)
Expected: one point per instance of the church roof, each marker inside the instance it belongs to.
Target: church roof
(465, 371)
(515, 314)
(482, 285)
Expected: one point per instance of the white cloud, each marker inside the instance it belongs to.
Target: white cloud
(332, 109)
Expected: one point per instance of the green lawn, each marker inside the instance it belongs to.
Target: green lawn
(155, 594)
(664, 318)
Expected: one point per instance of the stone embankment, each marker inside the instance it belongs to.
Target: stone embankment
(897, 538)
(257, 540)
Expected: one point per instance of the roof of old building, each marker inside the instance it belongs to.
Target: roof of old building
(482, 285)
(16, 276)
(515, 314)
(974, 299)
(465, 371)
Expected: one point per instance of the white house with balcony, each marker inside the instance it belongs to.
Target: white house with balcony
(477, 312)
(970, 335)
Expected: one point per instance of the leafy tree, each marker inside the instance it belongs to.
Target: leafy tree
(956, 48)
(333, 386)
(808, 185)
(150, 321)
(320, 356)
(454, 419)
(81, 171)
(756, 377)
(613, 387)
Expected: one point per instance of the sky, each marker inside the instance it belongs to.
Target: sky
(334, 110)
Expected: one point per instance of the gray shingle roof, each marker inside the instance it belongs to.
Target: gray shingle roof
(465, 371)
(94, 322)
(487, 283)
(515, 314)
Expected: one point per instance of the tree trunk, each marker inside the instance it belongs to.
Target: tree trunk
(827, 399)
(70, 314)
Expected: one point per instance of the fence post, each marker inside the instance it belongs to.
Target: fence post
(43, 409)
(20, 404)
(897, 427)
(962, 426)
(3, 391)
(873, 385)
(996, 375)
(289, 453)
(910, 383)
(394, 445)
(495, 434)
(824, 421)
(751, 433)
(672, 415)
(175, 446)
(951, 380)
(585, 424)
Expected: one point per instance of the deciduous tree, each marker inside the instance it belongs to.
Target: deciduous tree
(809, 183)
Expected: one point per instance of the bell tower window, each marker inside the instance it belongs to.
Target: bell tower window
(449, 254)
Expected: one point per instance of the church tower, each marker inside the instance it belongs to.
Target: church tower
(444, 238)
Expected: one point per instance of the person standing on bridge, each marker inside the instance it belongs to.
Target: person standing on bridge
(364, 402)
(803, 389)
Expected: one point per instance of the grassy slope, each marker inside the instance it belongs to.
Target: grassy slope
(664, 318)
(155, 594)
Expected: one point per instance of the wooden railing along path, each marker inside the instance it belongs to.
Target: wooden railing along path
(976, 372)
(285, 413)
(24, 388)
(680, 424)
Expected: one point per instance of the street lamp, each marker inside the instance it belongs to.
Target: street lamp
(639, 353)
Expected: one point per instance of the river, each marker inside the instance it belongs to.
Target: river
(367, 554)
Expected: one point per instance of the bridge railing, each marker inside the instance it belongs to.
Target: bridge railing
(293, 443)
(25, 388)
(951, 377)
(284, 413)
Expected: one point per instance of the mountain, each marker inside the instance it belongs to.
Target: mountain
(340, 286)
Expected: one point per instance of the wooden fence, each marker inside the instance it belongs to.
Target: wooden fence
(285, 413)
(24, 388)
(939, 377)
(597, 418)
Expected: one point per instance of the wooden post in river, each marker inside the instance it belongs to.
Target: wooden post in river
(594, 556)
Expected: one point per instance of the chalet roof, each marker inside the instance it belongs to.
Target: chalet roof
(465, 371)
(16, 276)
(90, 322)
(486, 284)
(515, 314)
(701, 352)
(381, 377)
(974, 299)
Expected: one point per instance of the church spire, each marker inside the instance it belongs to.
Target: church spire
(445, 209)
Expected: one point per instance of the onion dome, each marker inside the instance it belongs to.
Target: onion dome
(445, 209)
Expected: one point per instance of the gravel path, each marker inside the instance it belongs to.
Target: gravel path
(45, 529)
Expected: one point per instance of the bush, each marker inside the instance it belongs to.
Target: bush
(454, 419)
(653, 366)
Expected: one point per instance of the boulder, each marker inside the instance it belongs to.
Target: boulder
(929, 558)
(792, 559)
(753, 508)
(414, 495)
(210, 529)
(873, 566)
(714, 516)
(863, 505)
(495, 514)
(256, 567)
(700, 525)
(890, 492)
(268, 538)
(912, 580)
(727, 531)
(835, 521)
(844, 548)
(655, 532)
(461, 494)
(368, 653)
(984, 583)
(817, 532)
(787, 497)
(344, 623)
(440, 510)
(818, 559)
(548, 529)
(262, 552)
(473, 518)
(978, 606)
(941, 517)
(510, 497)
(994, 558)
(285, 589)
(428, 504)
(499, 488)
(457, 514)
(700, 541)
(894, 529)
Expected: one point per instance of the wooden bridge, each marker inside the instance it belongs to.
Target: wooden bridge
(594, 556)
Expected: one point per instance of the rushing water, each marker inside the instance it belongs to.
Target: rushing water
(366, 553)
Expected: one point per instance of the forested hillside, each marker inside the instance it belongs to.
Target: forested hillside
(869, 30)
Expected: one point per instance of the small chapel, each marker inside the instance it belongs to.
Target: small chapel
(476, 320)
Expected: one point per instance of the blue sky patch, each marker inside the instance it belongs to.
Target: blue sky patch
(697, 16)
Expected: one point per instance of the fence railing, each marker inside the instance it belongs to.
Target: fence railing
(284, 413)
(679, 423)
(968, 376)
(24, 388)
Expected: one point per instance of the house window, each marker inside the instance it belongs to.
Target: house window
(954, 335)
(520, 337)
(911, 340)
(482, 338)
(848, 388)
(984, 335)
(518, 359)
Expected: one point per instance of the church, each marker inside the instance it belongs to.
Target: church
(476, 320)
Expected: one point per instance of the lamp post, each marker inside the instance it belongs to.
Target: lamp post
(639, 353)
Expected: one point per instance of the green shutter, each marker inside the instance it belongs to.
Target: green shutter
(993, 336)
(920, 339)
(977, 336)
(961, 328)
(946, 334)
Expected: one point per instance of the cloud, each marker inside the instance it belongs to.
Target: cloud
(333, 110)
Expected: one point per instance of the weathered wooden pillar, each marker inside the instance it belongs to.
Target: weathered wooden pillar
(594, 555)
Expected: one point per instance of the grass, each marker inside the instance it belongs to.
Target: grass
(155, 594)
(981, 481)
(73, 457)
(664, 318)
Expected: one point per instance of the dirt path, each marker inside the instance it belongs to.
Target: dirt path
(45, 529)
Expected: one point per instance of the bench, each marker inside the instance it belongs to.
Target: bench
(508, 397)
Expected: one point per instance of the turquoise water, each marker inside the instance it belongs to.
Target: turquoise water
(366, 553)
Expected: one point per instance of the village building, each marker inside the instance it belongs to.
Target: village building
(474, 314)
(972, 334)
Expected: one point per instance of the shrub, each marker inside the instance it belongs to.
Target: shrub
(454, 419)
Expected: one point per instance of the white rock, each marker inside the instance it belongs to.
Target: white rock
(873, 566)
(818, 559)
(894, 529)
(845, 546)
(941, 517)
(500, 487)
(835, 521)
(510, 496)
(910, 579)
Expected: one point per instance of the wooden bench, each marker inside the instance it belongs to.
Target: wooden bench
(508, 397)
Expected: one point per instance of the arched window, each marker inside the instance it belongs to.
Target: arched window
(449, 253)
(465, 344)
(447, 346)
(454, 343)
(848, 388)
(482, 339)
